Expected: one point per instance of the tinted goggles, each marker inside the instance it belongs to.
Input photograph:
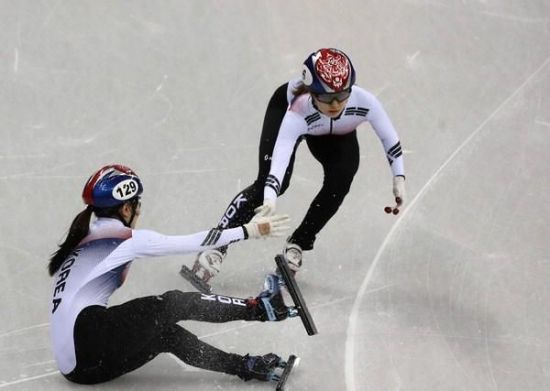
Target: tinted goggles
(338, 96)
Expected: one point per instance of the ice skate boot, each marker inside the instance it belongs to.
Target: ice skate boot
(206, 266)
(261, 367)
(269, 305)
(293, 255)
(268, 367)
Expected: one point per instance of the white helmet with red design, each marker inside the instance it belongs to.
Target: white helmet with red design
(328, 71)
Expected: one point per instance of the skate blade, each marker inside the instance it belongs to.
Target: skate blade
(294, 290)
(290, 364)
(199, 284)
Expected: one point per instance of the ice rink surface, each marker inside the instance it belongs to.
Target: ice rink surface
(453, 294)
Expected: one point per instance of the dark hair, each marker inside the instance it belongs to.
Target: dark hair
(300, 89)
(80, 228)
(78, 231)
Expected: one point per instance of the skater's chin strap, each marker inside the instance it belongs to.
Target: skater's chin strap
(114, 212)
(135, 203)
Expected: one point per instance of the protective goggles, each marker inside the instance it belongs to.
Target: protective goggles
(338, 96)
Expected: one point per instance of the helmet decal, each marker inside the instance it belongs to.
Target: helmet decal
(111, 185)
(125, 190)
(333, 68)
(327, 71)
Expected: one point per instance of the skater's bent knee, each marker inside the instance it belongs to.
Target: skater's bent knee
(172, 296)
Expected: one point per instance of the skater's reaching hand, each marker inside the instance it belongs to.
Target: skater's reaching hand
(399, 189)
(267, 209)
(267, 226)
(399, 193)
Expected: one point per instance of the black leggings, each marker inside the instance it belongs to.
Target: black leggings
(110, 342)
(339, 156)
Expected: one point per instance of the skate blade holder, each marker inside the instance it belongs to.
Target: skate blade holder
(289, 365)
(198, 283)
(300, 305)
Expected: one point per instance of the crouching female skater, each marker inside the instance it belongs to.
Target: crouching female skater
(94, 342)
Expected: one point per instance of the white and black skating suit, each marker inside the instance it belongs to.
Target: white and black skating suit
(94, 343)
(333, 142)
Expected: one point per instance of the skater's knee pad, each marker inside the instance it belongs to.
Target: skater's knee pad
(171, 300)
(172, 296)
(172, 305)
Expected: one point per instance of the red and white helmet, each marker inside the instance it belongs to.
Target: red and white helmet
(328, 71)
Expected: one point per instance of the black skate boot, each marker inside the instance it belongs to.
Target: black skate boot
(269, 367)
(261, 367)
(269, 305)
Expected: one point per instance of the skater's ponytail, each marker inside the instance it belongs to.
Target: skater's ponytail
(78, 231)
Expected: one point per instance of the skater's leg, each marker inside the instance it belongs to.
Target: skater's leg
(174, 306)
(274, 114)
(208, 263)
(273, 118)
(191, 350)
(112, 341)
(241, 209)
(109, 344)
(339, 156)
(103, 359)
